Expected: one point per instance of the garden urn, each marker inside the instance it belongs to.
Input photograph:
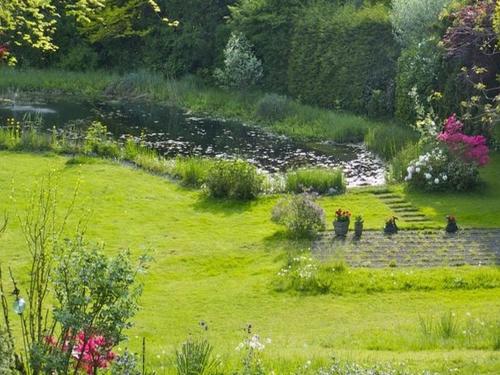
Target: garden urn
(341, 228)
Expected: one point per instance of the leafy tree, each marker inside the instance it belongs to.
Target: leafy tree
(196, 45)
(413, 19)
(34, 22)
(241, 68)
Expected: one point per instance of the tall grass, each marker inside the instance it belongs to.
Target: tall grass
(192, 171)
(85, 83)
(388, 141)
(319, 180)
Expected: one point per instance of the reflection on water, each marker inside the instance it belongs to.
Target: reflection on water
(174, 132)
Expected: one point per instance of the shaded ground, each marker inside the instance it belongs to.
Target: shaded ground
(413, 248)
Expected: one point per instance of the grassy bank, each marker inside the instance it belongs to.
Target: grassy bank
(204, 269)
(288, 117)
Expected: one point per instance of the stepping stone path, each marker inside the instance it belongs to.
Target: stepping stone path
(416, 248)
(402, 209)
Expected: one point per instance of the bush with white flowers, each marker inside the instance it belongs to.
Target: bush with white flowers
(437, 170)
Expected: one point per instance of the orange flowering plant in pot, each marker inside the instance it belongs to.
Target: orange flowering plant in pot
(341, 222)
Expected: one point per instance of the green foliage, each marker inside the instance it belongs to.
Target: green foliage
(195, 45)
(269, 25)
(412, 20)
(318, 180)
(241, 68)
(234, 180)
(303, 274)
(195, 357)
(387, 141)
(418, 69)
(273, 107)
(6, 354)
(400, 161)
(98, 141)
(79, 58)
(192, 171)
(301, 216)
(354, 73)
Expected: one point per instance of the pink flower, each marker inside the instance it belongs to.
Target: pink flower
(469, 148)
(92, 351)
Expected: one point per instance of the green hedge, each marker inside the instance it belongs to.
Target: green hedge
(344, 57)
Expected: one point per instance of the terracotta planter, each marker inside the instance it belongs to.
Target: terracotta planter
(341, 228)
(358, 229)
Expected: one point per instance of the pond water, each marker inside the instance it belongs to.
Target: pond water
(173, 131)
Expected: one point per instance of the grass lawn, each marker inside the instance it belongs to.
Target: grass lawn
(214, 261)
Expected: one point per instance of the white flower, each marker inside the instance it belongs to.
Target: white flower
(436, 181)
(445, 178)
(417, 169)
(428, 176)
(410, 169)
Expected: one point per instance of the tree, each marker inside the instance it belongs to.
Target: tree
(34, 22)
(241, 68)
(412, 19)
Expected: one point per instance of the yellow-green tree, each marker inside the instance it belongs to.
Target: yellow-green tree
(33, 22)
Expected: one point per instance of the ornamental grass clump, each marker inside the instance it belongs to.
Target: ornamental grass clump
(318, 180)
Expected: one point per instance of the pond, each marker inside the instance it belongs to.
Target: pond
(173, 131)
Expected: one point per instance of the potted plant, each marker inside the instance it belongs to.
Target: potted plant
(341, 222)
(391, 226)
(358, 226)
(451, 227)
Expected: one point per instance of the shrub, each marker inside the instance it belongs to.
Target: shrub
(412, 20)
(241, 68)
(273, 107)
(300, 215)
(354, 73)
(321, 181)
(192, 171)
(195, 358)
(437, 170)
(234, 179)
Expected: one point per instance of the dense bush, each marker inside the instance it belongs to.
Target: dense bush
(273, 107)
(300, 215)
(439, 171)
(318, 180)
(357, 71)
(241, 68)
(234, 179)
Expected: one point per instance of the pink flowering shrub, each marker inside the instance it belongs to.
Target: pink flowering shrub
(93, 352)
(89, 352)
(472, 149)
